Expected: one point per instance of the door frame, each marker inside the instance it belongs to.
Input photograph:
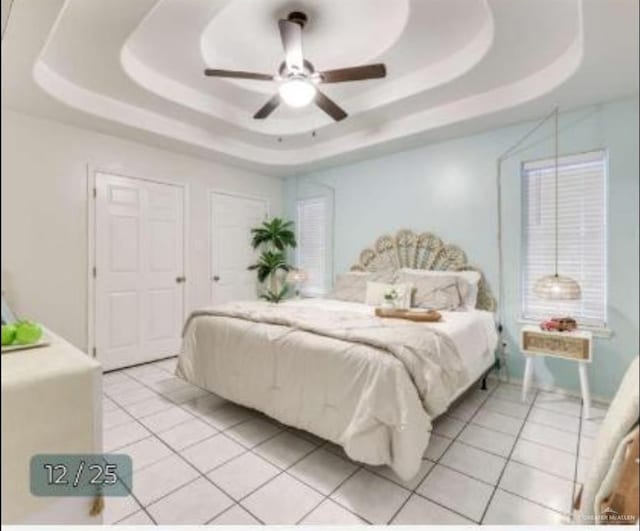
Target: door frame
(92, 172)
(241, 195)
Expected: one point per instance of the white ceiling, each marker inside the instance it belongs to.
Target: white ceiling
(454, 67)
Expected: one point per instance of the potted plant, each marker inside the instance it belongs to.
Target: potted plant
(274, 237)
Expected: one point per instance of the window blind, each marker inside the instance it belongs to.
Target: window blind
(582, 234)
(312, 243)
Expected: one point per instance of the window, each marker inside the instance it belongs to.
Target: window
(311, 253)
(582, 235)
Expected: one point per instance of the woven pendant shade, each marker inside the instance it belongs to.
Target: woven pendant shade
(557, 287)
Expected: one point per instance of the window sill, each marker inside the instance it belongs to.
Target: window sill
(597, 331)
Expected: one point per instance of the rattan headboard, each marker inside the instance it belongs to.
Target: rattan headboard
(421, 251)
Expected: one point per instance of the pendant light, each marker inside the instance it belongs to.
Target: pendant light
(556, 286)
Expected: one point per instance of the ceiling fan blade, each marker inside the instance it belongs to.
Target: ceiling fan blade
(267, 108)
(237, 74)
(291, 35)
(355, 73)
(330, 107)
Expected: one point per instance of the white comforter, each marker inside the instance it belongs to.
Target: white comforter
(335, 370)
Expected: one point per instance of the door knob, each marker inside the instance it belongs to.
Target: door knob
(180, 280)
(215, 278)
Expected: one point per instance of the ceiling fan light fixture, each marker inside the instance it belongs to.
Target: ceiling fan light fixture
(297, 92)
(297, 78)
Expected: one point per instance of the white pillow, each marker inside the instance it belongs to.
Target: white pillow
(352, 286)
(471, 277)
(376, 292)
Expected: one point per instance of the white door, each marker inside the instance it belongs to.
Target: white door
(139, 276)
(232, 218)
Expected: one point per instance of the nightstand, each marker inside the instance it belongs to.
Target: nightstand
(574, 346)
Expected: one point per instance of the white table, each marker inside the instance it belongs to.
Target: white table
(574, 346)
(51, 403)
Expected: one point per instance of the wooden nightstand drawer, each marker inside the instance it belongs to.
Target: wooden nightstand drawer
(576, 348)
(574, 345)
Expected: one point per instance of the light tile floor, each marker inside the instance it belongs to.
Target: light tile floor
(198, 459)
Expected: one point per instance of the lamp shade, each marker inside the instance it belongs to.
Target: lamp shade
(297, 276)
(557, 287)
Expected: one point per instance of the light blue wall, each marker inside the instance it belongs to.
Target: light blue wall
(449, 189)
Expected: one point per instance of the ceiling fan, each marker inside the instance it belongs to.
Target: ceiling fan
(297, 78)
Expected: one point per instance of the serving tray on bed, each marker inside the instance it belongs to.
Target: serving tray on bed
(430, 316)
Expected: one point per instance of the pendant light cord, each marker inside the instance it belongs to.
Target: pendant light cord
(506, 155)
(556, 190)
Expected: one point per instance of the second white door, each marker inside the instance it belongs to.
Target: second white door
(232, 218)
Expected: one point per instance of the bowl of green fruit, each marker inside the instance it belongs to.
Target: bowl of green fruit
(21, 335)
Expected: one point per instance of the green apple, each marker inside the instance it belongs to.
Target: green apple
(28, 332)
(8, 334)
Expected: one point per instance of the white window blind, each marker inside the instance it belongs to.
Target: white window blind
(312, 243)
(582, 232)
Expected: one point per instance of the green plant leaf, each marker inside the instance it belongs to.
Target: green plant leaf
(275, 232)
(269, 263)
(274, 236)
(276, 297)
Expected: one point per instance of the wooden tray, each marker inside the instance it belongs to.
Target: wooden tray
(431, 316)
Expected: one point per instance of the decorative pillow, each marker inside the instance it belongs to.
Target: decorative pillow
(436, 292)
(352, 286)
(472, 279)
(376, 292)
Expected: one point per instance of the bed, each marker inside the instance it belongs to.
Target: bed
(332, 368)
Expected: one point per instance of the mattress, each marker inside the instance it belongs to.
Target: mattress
(473, 332)
(331, 368)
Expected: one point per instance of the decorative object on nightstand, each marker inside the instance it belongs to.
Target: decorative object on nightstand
(575, 345)
(559, 324)
(297, 277)
(556, 287)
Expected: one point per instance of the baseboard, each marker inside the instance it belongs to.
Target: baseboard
(595, 399)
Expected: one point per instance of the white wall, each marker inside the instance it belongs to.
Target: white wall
(44, 213)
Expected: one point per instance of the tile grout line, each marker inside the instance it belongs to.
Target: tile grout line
(282, 471)
(325, 497)
(135, 498)
(508, 460)
(547, 445)
(542, 469)
(201, 474)
(577, 463)
(194, 415)
(143, 364)
(182, 458)
(328, 496)
(156, 434)
(437, 462)
(247, 450)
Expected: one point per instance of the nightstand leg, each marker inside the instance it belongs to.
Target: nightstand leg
(526, 380)
(584, 387)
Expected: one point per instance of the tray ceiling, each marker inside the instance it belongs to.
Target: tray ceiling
(135, 69)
